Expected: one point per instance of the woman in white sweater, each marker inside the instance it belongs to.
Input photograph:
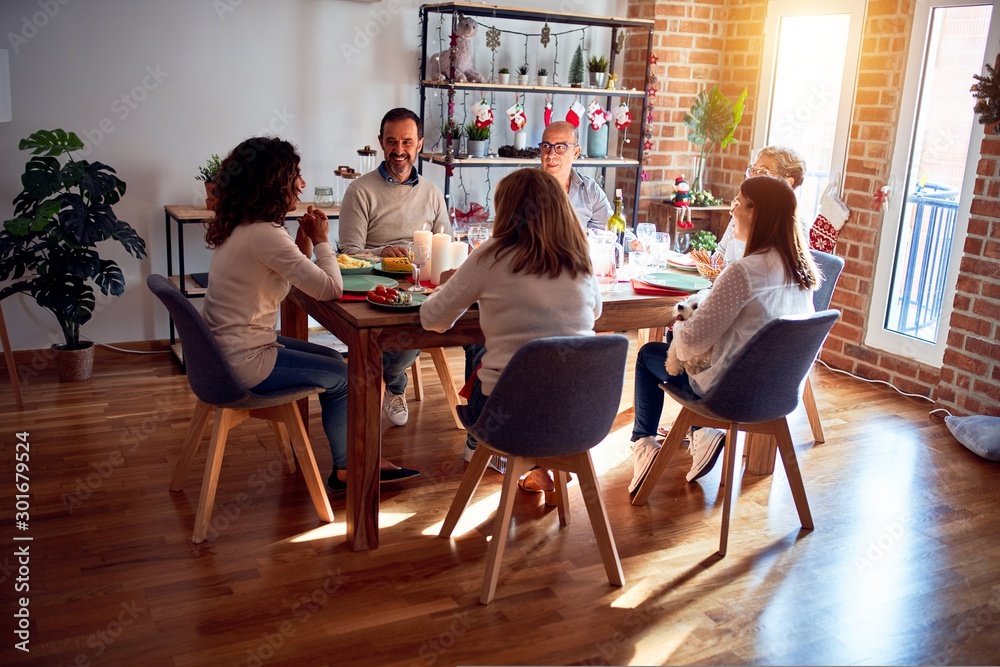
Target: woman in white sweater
(254, 264)
(532, 279)
(775, 277)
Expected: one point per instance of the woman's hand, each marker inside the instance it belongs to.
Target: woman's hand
(315, 225)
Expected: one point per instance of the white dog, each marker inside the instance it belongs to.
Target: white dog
(683, 311)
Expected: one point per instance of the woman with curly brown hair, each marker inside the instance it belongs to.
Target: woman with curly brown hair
(254, 264)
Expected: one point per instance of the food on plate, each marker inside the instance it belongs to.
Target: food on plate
(397, 264)
(348, 262)
(390, 296)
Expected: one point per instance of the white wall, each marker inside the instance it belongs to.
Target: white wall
(172, 82)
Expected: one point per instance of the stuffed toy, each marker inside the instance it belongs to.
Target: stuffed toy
(461, 40)
(683, 311)
(682, 192)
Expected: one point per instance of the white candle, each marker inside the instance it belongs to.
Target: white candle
(424, 236)
(439, 256)
(457, 252)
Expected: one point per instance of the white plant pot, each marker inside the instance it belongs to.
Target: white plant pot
(522, 79)
(504, 77)
(543, 80)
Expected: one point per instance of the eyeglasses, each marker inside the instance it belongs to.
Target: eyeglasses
(760, 171)
(559, 149)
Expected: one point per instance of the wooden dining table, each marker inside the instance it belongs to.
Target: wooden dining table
(369, 331)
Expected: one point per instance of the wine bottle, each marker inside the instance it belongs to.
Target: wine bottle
(616, 223)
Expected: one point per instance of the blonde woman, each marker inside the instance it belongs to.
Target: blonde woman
(532, 279)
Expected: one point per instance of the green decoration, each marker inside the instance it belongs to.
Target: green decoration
(712, 122)
(987, 94)
(576, 67)
(703, 240)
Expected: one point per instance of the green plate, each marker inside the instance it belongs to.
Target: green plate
(361, 270)
(417, 300)
(392, 274)
(677, 281)
(361, 284)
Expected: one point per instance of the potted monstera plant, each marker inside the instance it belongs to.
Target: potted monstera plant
(50, 247)
(711, 123)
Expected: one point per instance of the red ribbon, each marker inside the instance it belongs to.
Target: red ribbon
(476, 213)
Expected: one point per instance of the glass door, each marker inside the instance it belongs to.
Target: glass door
(924, 226)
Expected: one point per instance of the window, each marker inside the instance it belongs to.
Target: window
(811, 52)
(924, 224)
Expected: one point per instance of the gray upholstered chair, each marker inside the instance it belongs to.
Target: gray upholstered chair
(219, 393)
(755, 395)
(556, 399)
(830, 266)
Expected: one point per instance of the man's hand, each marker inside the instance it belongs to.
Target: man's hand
(394, 251)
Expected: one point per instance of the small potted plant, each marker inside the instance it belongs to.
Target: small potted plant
(598, 68)
(543, 76)
(576, 68)
(207, 173)
(522, 74)
(63, 218)
(504, 75)
(477, 140)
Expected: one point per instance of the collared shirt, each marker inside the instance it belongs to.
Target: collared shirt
(591, 205)
(411, 181)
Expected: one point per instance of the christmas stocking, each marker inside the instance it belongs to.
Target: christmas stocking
(575, 113)
(833, 213)
(548, 112)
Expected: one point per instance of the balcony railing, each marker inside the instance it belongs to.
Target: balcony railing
(922, 258)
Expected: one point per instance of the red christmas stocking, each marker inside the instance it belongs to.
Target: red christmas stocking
(575, 113)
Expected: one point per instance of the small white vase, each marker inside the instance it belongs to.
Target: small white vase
(543, 80)
(522, 79)
(504, 78)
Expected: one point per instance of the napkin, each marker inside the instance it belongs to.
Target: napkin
(642, 288)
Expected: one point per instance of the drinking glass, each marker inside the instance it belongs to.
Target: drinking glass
(478, 235)
(661, 249)
(418, 254)
(682, 242)
(646, 233)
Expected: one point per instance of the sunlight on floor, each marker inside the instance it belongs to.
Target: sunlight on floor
(339, 528)
(474, 514)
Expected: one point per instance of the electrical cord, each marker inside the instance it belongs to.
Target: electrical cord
(121, 349)
(888, 384)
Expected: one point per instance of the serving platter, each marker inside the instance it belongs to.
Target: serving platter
(362, 284)
(676, 281)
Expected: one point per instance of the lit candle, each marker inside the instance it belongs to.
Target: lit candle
(457, 252)
(424, 236)
(439, 256)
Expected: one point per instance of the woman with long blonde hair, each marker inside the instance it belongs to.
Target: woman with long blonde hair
(532, 279)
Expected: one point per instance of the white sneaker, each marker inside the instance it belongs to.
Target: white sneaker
(469, 452)
(644, 450)
(394, 407)
(706, 445)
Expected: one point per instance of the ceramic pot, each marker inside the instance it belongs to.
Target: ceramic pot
(504, 78)
(522, 79)
(210, 195)
(543, 80)
(478, 148)
(597, 141)
(74, 365)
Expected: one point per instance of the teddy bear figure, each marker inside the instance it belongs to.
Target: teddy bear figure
(440, 63)
(683, 311)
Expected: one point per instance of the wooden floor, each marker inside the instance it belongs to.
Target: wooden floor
(903, 567)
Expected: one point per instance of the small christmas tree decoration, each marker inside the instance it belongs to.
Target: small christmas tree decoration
(987, 94)
(576, 68)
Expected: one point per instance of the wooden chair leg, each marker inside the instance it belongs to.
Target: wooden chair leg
(418, 380)
(562, 497)
(307, 462)
(8, 354)
(284, 446)
(792, 472)
(501, 526)
(224, 420)
(447, 383)
(195, 432)
(729, 473)
(812, 412)
(470, 480)
(663, 457)
(599, 518)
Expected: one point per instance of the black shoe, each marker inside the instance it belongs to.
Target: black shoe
(334, 483)
(396, 474)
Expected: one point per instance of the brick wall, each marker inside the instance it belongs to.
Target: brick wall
(704, 42)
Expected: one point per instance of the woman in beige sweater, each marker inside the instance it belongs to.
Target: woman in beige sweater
(254, 264)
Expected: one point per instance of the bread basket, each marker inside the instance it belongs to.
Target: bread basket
(707, 268)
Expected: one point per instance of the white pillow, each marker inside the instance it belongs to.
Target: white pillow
(979, 433)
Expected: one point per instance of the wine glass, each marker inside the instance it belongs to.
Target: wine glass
(646, 233)
(661, 249)
(418, 253)
(682, 242)
(478, 235)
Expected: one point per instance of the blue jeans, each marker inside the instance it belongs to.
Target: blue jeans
(304, 364)
(473, 355)
(394, 365)
(649, 373)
